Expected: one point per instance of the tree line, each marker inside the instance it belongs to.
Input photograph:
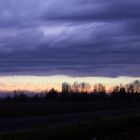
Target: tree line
(133, 87)
(79, 91)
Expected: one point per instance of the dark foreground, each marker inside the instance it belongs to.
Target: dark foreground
(16, 109)
(121, 128)
(70, 119)
(26, 123)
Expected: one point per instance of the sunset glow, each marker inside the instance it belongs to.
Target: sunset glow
(41, 83)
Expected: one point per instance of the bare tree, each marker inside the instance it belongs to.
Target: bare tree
(99, 88)
(66, 87)
(84, 87)
(76, 87)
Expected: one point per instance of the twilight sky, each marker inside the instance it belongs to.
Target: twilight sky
(70, 37)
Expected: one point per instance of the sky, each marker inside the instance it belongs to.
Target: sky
(84, 38)
(46, 83)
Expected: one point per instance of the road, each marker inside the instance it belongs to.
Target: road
(25, 123)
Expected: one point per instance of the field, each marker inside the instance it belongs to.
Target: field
(124, 128)
(34, 119)
(60, 106)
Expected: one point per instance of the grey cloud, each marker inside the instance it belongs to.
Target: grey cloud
(21, 39)
(93, 10)
(83, 37)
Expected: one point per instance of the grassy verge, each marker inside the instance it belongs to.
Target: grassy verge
(126, 128)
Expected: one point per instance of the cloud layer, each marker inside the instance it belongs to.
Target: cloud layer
(83, 37)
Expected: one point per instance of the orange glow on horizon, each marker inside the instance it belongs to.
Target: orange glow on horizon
(43, 83)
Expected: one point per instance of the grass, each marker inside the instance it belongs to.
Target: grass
(39, 108)
(125, 128)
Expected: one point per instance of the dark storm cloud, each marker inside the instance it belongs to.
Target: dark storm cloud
(94, 10)
(83, 37)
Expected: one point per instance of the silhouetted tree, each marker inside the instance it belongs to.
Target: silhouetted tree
(99, 88)
(66, 87)
(130, 88)
(76, 87)
(84, 87)
(136, 84)
(116, 89)
(52, 93)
